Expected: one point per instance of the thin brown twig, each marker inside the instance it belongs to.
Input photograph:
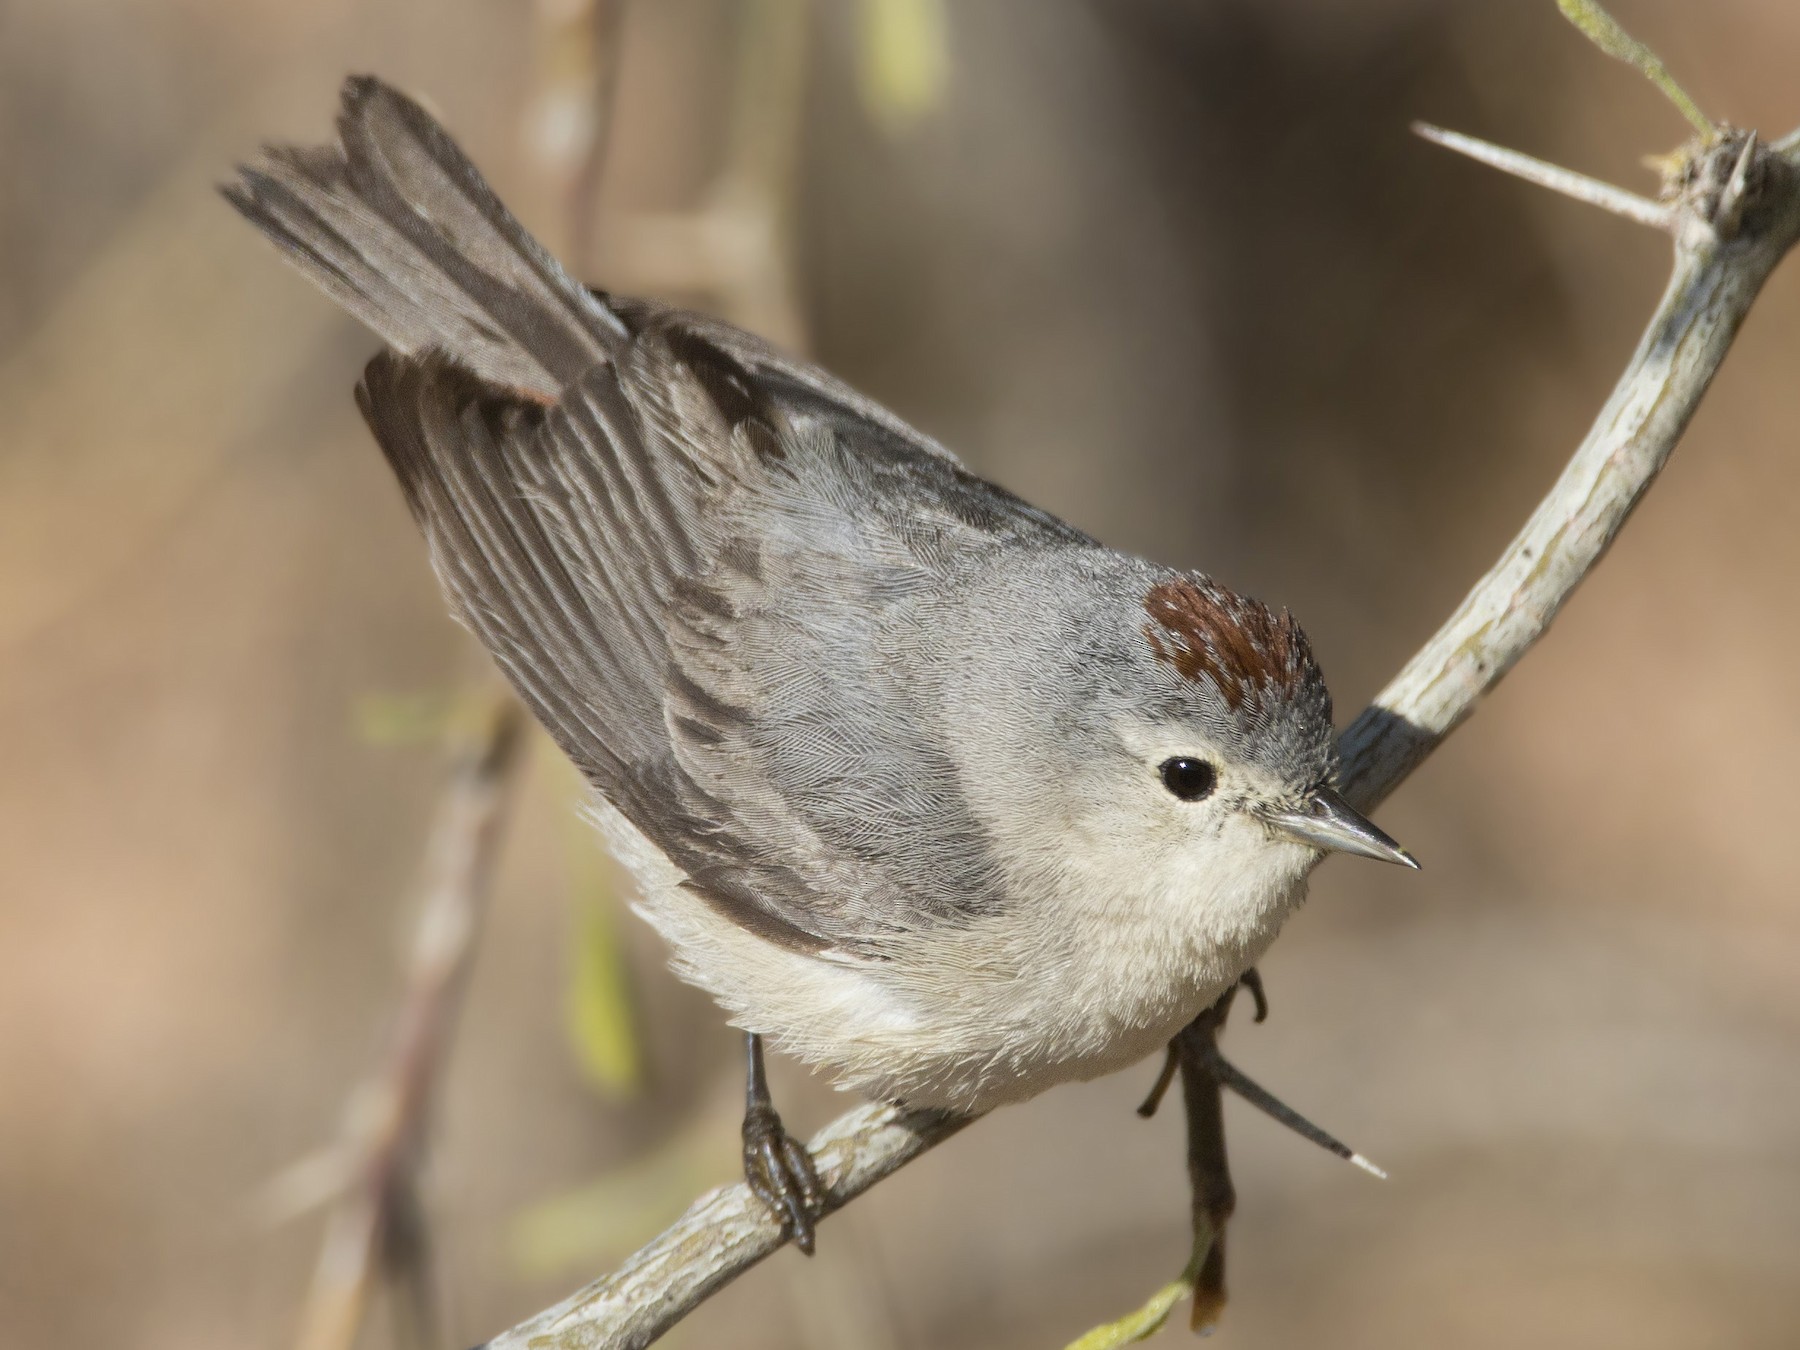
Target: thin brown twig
(375, 1228)
(1213, 1197)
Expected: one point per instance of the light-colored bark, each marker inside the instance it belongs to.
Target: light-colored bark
(1733, 222)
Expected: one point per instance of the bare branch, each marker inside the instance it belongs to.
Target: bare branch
(1718, 273)
(1566, 181)
(1212, 1197)
(1205, 1074)
(1716, 278)
(723, 1234)
(375, 1226)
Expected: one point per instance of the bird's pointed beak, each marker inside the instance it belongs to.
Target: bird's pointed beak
(1327, 821)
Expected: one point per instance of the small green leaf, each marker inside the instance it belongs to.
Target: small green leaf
(904, 62)
(600, 1014)
(1143, 1322)
(602, 1024)
(1138, 1325)
(1605, 33)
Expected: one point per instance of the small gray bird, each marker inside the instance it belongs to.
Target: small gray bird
(925, 786)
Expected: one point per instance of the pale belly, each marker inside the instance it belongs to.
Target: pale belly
(981, 1018)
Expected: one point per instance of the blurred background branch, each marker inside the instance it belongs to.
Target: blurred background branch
(732, 251)
(569, 119)
(377, 1226)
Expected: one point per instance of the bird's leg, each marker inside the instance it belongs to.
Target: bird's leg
(777, 1166)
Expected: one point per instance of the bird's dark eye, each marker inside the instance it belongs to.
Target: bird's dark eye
(1189, 779)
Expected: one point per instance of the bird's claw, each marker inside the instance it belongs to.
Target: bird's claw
(781, 1172)
(1251, 979)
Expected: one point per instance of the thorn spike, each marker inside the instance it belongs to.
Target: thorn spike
(1566, 181)
(1229, 1075)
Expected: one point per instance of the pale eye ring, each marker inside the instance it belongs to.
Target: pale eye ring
(1188, 778)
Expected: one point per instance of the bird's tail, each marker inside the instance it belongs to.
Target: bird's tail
(400, 228)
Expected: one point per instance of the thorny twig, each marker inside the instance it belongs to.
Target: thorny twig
(1734, 214)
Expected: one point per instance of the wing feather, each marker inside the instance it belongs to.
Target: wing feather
(693, 556)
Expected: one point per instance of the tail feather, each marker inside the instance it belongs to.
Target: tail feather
(400, 228)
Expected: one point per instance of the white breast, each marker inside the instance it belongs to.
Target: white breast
(1089, 971)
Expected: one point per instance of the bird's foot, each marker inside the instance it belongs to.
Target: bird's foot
(777, 1165)
(781, 1172)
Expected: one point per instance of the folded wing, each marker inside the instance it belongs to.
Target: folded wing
(694, 558)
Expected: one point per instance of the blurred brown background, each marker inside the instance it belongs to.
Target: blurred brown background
(1173, 268)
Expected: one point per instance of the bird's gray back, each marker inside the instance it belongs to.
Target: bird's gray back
(719, 584)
